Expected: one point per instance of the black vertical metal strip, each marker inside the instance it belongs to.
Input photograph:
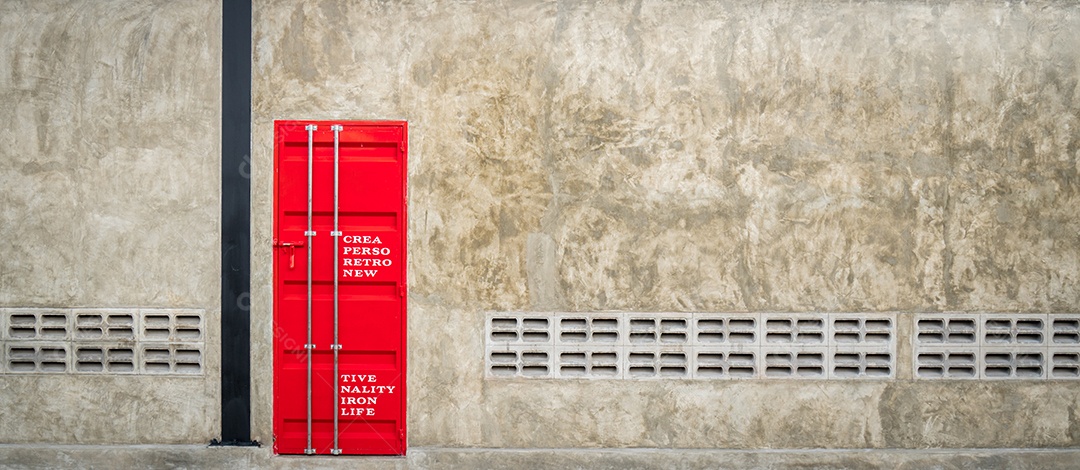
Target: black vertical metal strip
(236, 223)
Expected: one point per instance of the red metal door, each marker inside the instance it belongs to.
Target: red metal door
(343, 390)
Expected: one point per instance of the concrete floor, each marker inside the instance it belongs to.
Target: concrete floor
(235, 458)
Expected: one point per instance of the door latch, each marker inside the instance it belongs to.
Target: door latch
(291, 246)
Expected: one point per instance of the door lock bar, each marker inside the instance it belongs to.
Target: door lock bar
(336, 233)
(309, 234)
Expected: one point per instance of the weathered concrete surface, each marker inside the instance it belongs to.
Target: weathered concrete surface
(87, 409)
(780, 156)
(198, 457)
(703, 156)
(110, 168)
(778, 414)
(109, 117)
(647, 156)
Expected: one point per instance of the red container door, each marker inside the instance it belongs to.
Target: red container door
(368, 392)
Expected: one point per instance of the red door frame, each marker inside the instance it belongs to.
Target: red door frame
(378, 132)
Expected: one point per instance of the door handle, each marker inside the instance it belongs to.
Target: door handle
(291, 246)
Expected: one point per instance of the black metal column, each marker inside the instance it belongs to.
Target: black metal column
(236, 223)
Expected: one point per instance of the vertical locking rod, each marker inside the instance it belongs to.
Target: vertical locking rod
(309, 347)
(336, 450)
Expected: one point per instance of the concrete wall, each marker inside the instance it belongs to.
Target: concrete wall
(570, 156)
(109, 186)
(703, 156)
